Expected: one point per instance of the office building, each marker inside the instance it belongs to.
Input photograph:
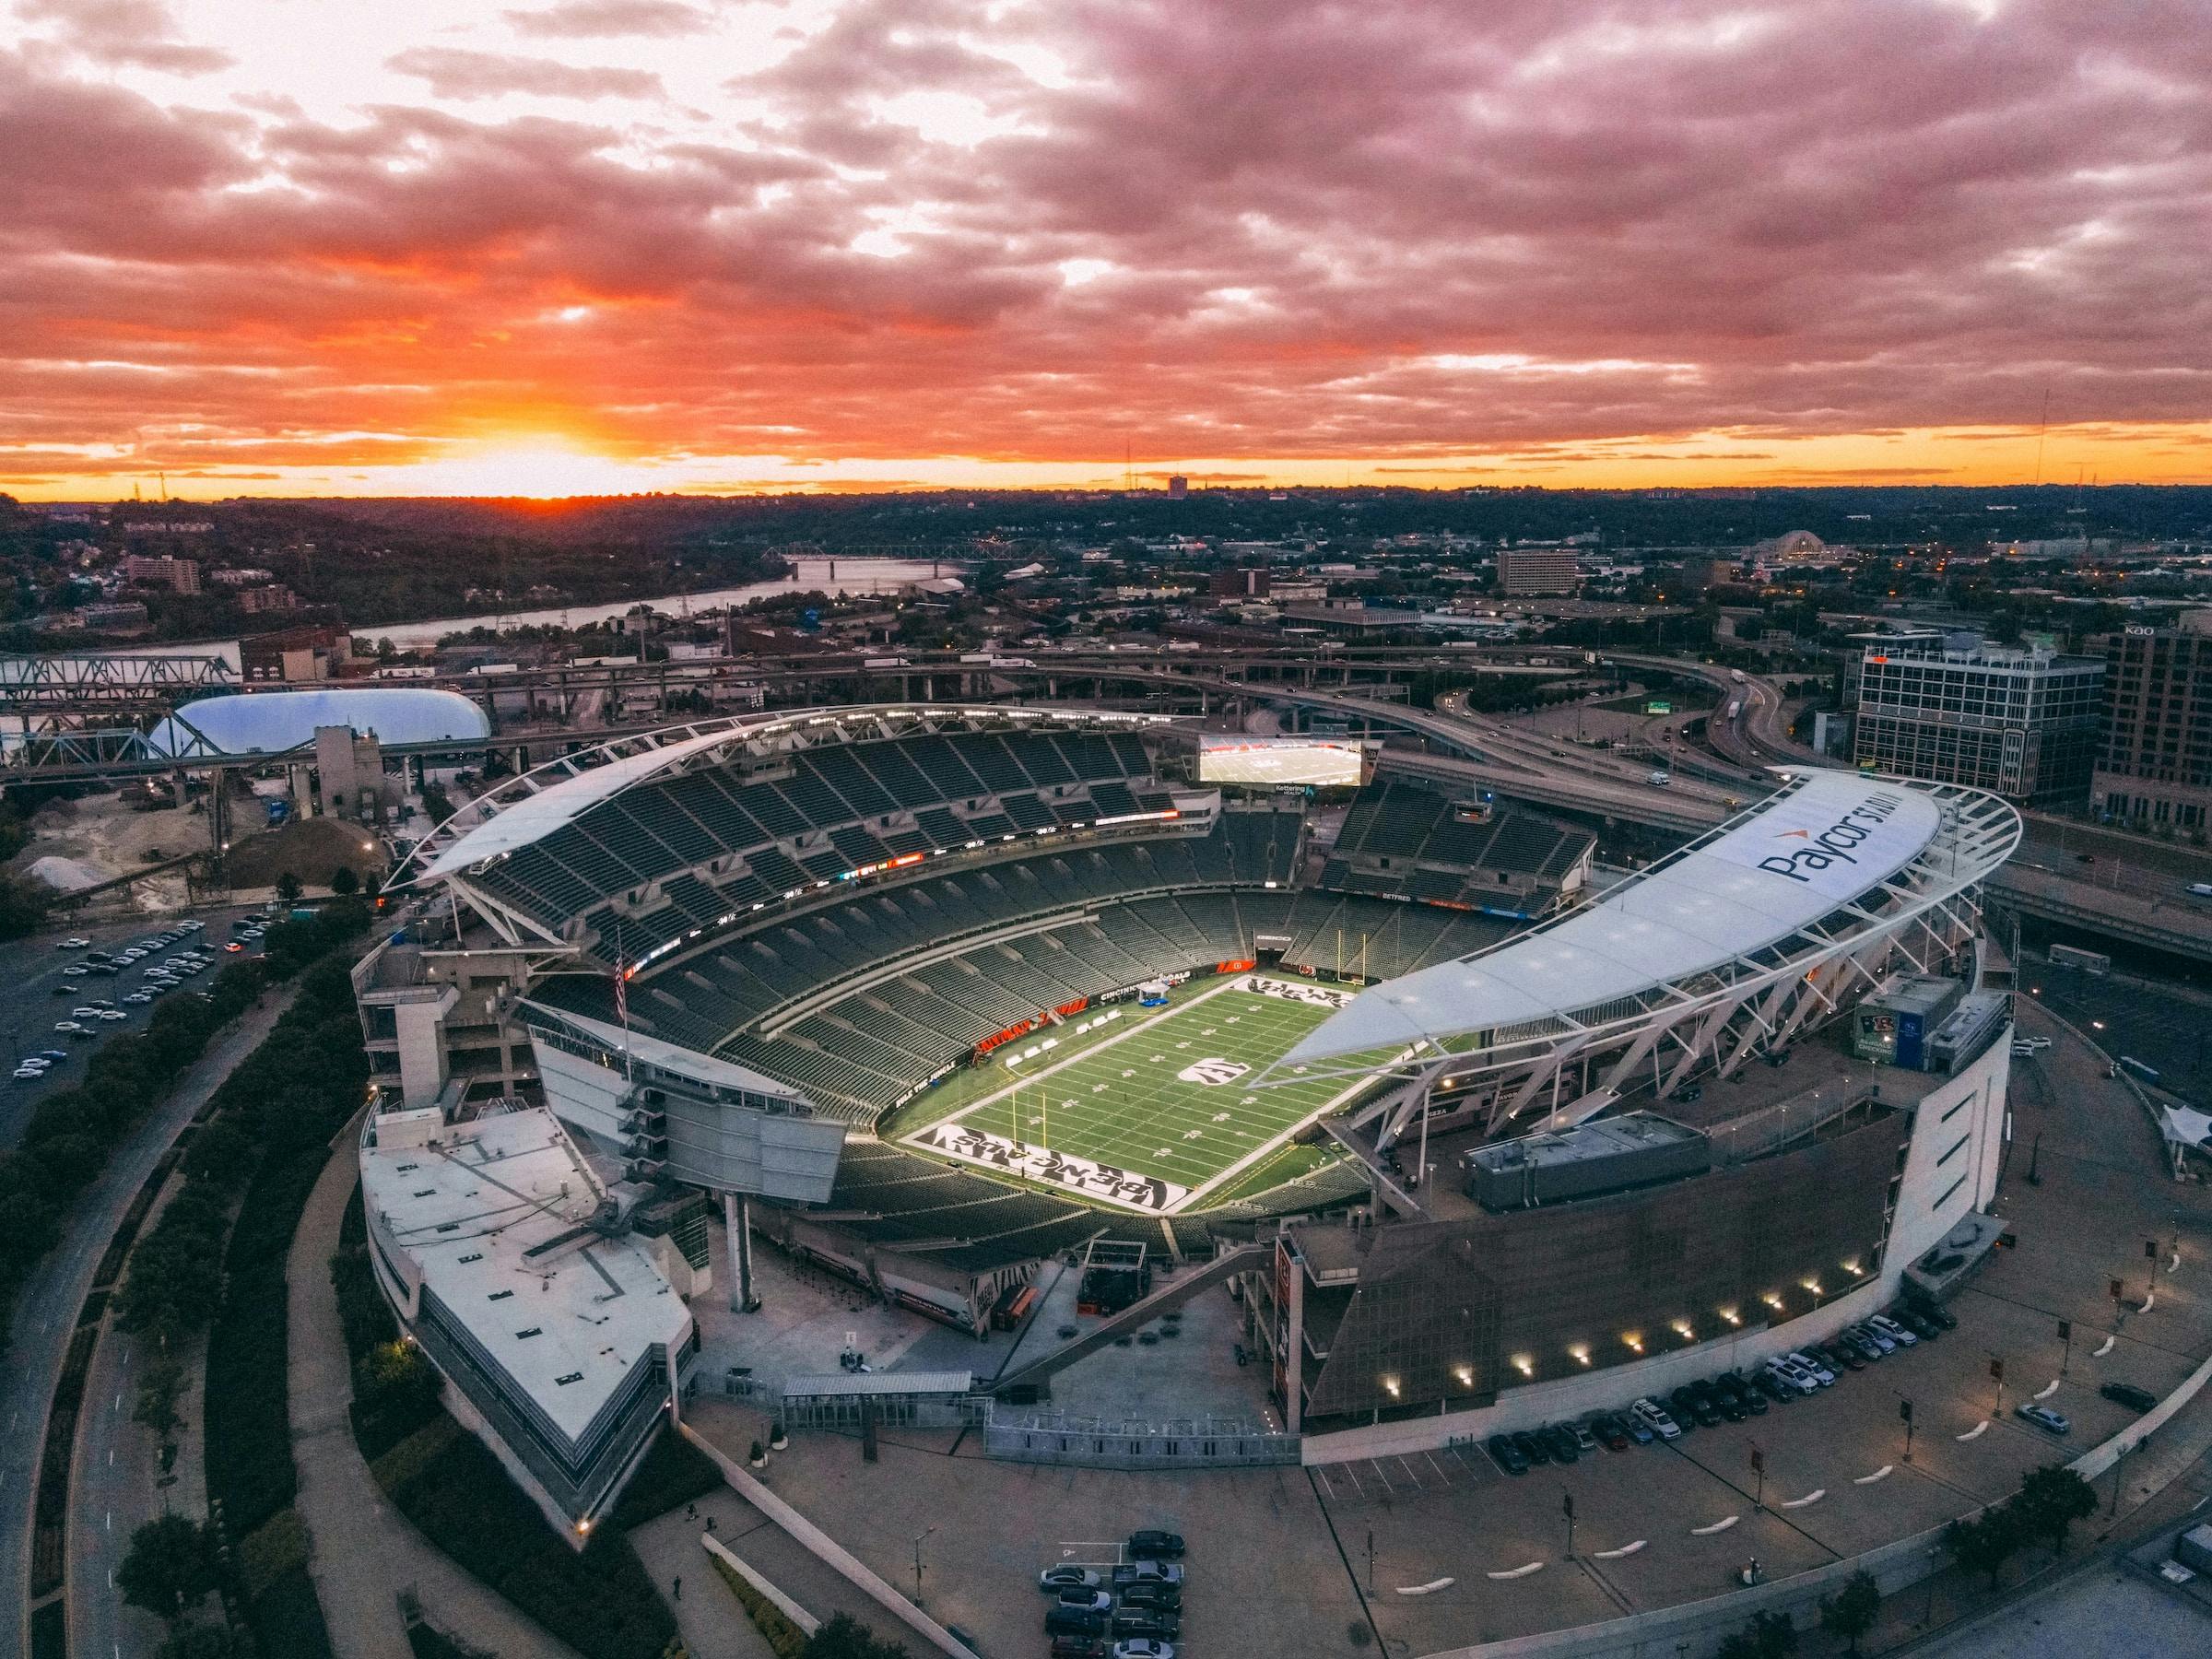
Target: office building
(1178, 486)
(2023, 724)
(1246, 582)
(2156, 765)
(1531, 571)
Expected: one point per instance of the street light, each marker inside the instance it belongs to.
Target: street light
(918, 1537)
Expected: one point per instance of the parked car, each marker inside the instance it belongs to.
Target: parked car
(2129, 1395)
(1822, 1376)
(2043, 1418)
(1688, 1409)
(1506, 1455)
(1585, 1437)
(1147, 1621)
(1640, 1432)
(1926, 1329)
(1729, 1384)
(1155, 1545)
(1087, 1601)
(1073, 1621)
(1862, 1343)
(1894, 1331)
(69, 1027)
(1655, 1417)
(1144, 1647)
(1067, 1577)
(1609, 1431)
(1169, 1596)
(1139, 1572)
(56, 1056)
(1532, 1447)
(73, 944)
(1065, 1647)
(1565, 1448)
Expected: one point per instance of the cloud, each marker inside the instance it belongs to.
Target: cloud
(454, 73)
(1405, 235)
(597, 19)
(124, 33)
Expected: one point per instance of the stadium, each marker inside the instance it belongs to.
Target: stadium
(930, 995)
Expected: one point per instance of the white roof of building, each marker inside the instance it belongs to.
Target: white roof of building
(1785, 864)
(269, 723)
(502, 1185)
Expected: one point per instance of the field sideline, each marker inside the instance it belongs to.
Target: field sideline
(1166, 1097)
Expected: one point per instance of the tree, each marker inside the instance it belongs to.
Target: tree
(170, 1566)
(1984, 1544)
(1773, 1635)
(846, 1637)
(1850, 1613)
(2050, 1500)
(344, 882)
(159, 1392)
(288, 888)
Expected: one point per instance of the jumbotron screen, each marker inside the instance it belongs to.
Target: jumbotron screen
(1321, 762)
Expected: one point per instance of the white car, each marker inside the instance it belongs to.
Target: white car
(73, 944)
(1891, 1329)
(1813, 1369)
(1144, 1647)
(84, 1013)
(1792, 1375)
(69, 1027)
(1655, 1417)
(76, 971)
(26, 1073)
(139, 997)
(114, 1014)
(192, 926)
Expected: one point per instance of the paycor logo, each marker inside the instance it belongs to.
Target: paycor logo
(1835, 844)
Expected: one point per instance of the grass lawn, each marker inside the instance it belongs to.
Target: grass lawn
(1169, 1098)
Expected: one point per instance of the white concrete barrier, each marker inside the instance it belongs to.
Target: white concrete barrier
(790, 1610)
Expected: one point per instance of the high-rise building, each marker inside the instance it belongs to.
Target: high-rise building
(1527, 570)
(1178, 486)
(2022, 724)
(2156, 766)
(181, 575)
(1242, 582)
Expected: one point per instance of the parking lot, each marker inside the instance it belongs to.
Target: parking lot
(39, 995)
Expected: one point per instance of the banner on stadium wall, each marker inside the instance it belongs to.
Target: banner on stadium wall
(1147, 1193)
(1244, 965)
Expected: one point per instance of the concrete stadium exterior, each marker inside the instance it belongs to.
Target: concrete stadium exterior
(1433, 1319)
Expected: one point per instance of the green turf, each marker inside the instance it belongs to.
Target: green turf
(1123, 1104)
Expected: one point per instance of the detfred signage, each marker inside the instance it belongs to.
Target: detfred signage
(1836, 842)
(1105, 1182)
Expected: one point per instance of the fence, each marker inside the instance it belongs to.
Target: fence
(1056, 1437)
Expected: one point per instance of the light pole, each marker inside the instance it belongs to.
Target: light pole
(918, 1537)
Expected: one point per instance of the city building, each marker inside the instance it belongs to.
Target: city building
(309, 652)
(125, 617)
(525, 1278)
(2023, 724)
(179, 575)
(1245, 581)
(2156, 765)
(271, 596)
(1533, 570)
(1178, 486)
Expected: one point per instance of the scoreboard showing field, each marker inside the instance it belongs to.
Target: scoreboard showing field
(1321, 762)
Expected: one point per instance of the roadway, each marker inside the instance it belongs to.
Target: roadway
(46, 1313)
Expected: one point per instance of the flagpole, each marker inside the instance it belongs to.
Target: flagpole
(622, 1005)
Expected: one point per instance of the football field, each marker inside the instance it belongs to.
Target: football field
(1169, 1099)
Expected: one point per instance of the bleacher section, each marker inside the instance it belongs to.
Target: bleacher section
(915, 1000)
(733, 840)
(1400, 840)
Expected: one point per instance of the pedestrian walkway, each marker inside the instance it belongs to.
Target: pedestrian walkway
(365, 1551)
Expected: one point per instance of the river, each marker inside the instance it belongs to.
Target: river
(853, 576)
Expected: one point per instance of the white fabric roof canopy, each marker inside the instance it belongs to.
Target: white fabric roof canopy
(271, 722)
(1784, 865)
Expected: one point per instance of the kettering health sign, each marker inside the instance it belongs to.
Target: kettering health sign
(1835, 838)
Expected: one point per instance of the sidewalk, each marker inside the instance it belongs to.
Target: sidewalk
(365, 1552)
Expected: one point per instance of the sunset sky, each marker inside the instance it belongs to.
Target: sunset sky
(583, 246)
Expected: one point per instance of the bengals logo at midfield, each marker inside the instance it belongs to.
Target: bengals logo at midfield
(1213, 1072)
